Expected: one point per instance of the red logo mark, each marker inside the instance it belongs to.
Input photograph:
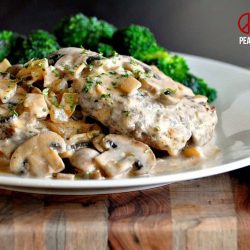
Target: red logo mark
(244, 23)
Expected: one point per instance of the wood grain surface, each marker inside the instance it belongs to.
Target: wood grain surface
(209, 213)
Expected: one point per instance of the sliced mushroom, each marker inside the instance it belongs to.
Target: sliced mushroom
(98, 143)
(129, 85)
(63, 176)
(7, 89)
(62, 112)
(36, 105)
(125, 155)
(14, 69)
(51, 74)
(200, 98)
(159, 81)
(78, 141)
(83, 160)
(4, 65)
(58, 85)
(19, 96)
(69, 102)
(73, 61)
(39, 156)
(58, 115)
(67, 129)
(33, 71)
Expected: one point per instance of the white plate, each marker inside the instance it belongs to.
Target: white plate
(233, 138)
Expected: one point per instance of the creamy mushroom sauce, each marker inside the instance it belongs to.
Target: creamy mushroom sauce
(45, 105)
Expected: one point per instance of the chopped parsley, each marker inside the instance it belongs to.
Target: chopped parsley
(98, 82)
(84, 51)
(126, 75)
(106, 96)
(71, 100)
(168, 91)
(46, 91)
(41, 65)
(115, 54)
(12, 110)
(55, 72)
(133, 62)
(67, 68)
(54, 101)
(27, 64)
(125, 113)
(114, 84)
(88, 85)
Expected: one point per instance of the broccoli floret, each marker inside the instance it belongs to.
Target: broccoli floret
(7, 41)
(79, 30)
(172, 65)
(37, 45)
(16, 52)
(106, 49)
(139, 42)
(135, 40)
(200, 87)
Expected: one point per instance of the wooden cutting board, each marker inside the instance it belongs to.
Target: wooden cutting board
(209, 213)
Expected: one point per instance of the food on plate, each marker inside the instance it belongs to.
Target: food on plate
(7, 41)
(139, 42)
(80, 30)
(38, 44)
(80, 115)
(101, 36)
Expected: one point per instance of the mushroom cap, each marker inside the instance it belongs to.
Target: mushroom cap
(78, 141)
(125, 155)
(83, 159)
(39, 156)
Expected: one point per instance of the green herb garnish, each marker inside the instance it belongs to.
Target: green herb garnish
(125, 113)
(169, 91)
(12, 110)
(46, 91)
(106, 96)
(88, 85)
(126, 75)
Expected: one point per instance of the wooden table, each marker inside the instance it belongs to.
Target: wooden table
(209, 213)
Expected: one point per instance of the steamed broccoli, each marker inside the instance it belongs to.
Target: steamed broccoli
(38, 44)
(135, 40)
(172, 65)
(200, 87)
(7, 41)
(79, 30)
(105, 49)
(139, 42)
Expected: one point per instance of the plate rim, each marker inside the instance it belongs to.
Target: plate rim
(123, 182)
(17, 181)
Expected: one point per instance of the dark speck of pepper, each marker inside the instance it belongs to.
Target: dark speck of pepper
(137, 165)
(111, 144)
(54, 58)
(91, 59)
(55, 145)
